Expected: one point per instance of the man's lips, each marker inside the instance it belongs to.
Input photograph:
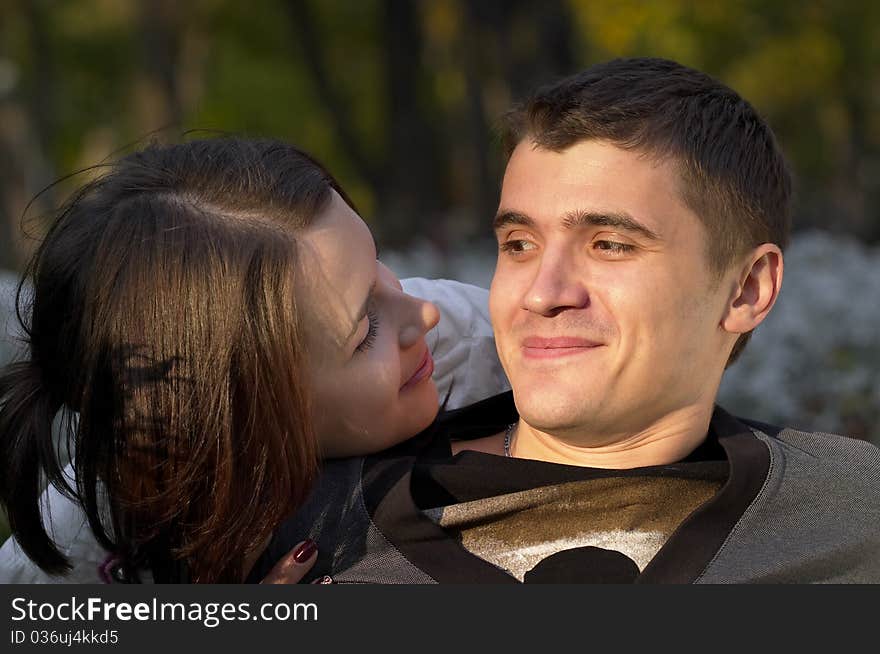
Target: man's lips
(537, 347)
(424, 370)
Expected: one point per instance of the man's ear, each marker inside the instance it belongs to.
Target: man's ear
(759, 281)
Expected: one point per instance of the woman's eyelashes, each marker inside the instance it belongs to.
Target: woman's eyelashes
(372, 329)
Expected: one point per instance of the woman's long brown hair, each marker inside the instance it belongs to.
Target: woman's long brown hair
(164, 313)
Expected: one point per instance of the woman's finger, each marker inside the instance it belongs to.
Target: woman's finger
(295, 564)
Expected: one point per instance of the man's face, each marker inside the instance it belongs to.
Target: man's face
(606, 316)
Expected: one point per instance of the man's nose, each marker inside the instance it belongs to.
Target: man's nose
(557, 285)
(419, 318)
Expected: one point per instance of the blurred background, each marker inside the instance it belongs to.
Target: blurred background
(400, 99)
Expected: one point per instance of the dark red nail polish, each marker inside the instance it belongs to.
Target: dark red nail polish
(304, 551)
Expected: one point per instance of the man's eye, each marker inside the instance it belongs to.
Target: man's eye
(614, 247)
(372, 329)
(517, 246)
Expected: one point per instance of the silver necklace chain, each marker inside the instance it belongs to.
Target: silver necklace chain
(508, 434)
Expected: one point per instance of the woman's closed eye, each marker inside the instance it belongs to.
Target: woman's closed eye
(372, 329)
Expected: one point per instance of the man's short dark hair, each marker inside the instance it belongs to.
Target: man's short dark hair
(733, 173)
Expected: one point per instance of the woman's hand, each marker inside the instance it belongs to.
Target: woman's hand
(294, 566)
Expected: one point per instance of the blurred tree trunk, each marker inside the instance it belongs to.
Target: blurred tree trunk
(855, 185)
(524, 43)
(850, 184)
(535, 40)
(10, 258)
(857, 26)
(42, 97)
(482, 18)
(415, 183)
(156, 90)
(28, 133)
(409, 180)
(302, 20)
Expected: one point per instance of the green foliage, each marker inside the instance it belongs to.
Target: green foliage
(811, 68)
(398, 99)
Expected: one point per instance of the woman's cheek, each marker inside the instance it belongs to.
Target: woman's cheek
(387, 365)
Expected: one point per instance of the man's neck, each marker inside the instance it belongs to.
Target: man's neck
(667, 440)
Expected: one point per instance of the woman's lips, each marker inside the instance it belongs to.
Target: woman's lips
(425, 370)
(536, 347)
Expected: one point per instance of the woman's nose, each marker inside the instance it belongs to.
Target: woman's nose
(388, 275)
(422, 316)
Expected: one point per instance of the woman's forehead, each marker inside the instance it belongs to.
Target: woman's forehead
(336, 270)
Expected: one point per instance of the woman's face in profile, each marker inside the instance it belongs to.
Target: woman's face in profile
(369, 367)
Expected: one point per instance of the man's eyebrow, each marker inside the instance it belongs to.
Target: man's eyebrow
(620, 220)
(505, 218)
(362, 313)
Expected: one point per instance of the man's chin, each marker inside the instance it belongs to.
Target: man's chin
(553, 412)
